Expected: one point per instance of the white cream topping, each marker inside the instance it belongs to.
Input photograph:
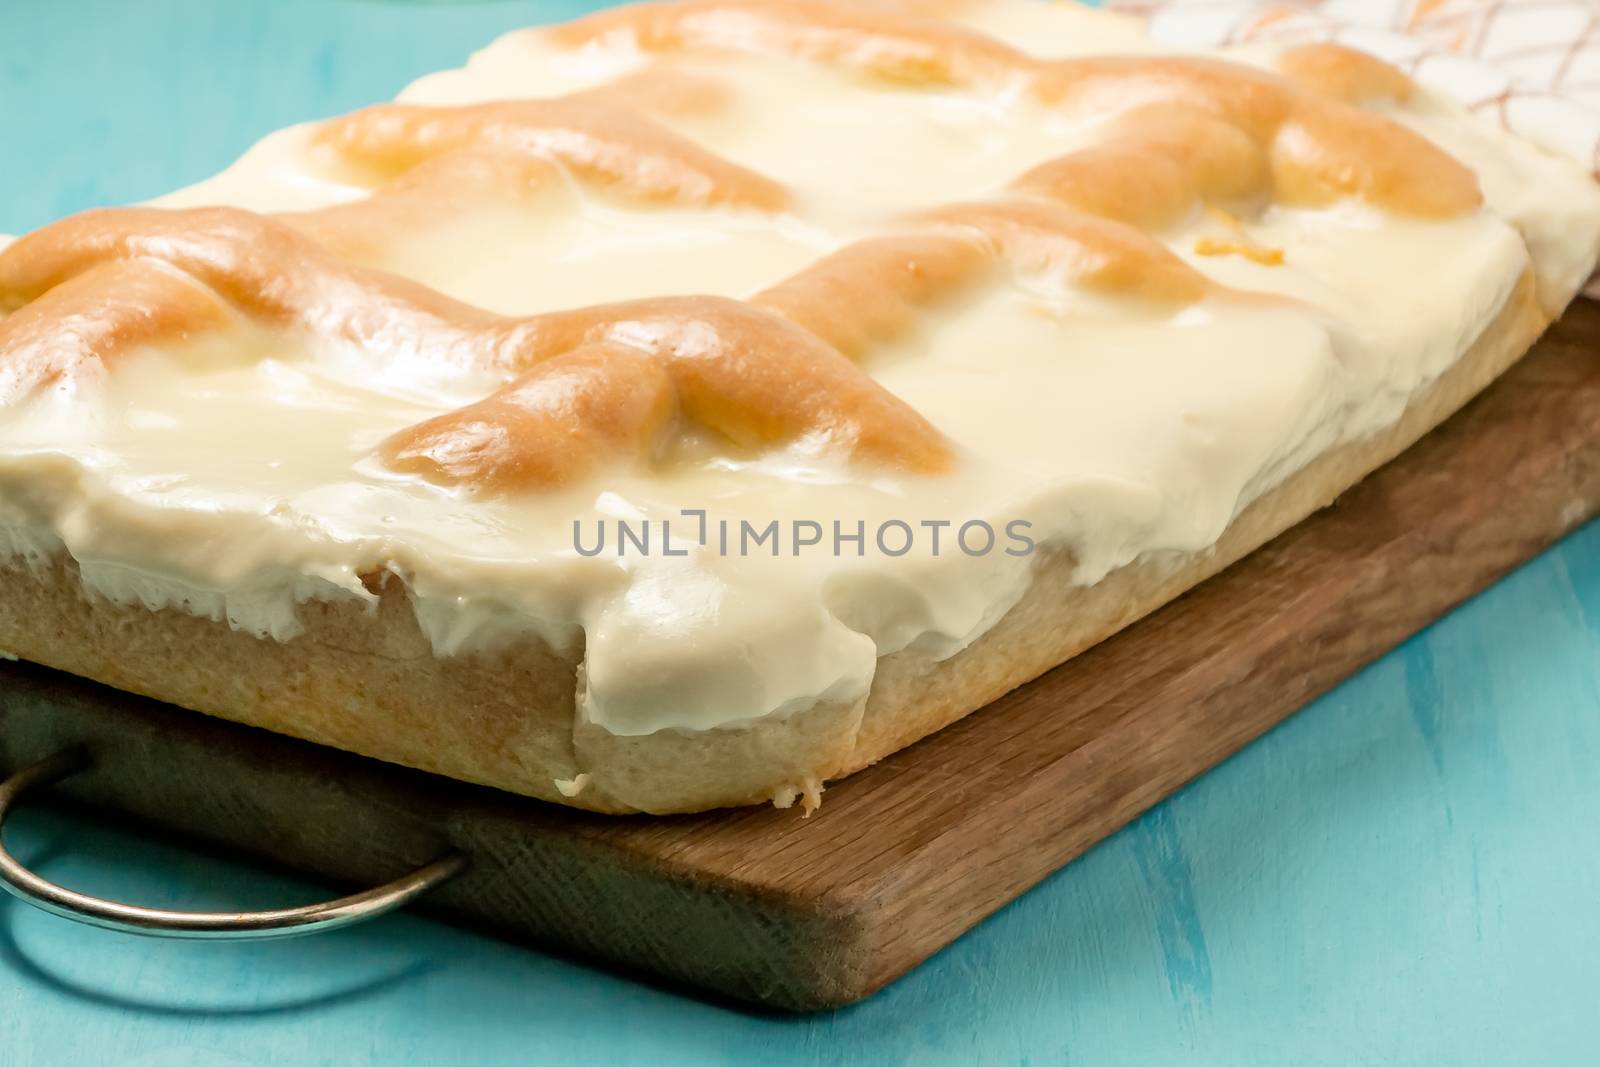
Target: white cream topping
(238, 484)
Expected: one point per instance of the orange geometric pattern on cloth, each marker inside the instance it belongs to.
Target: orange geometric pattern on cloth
(592, 386)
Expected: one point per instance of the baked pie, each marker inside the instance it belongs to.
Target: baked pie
(696, 402)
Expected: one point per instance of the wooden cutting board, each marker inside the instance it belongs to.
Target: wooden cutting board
(801, 914)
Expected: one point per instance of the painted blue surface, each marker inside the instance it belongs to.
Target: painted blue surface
(1406, 873)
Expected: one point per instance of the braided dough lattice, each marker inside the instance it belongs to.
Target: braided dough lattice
(600, 385)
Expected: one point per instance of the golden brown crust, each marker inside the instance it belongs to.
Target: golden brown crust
(1152, 163)
(895, 46)
(132, 305)
(590, 138)
(1098, 254)
(551, 426)
(368, 681)
(873, 291)
(1344, 74)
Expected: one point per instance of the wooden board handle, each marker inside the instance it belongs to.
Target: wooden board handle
(27, 886)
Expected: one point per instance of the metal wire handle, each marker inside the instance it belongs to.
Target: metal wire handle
(25, 885)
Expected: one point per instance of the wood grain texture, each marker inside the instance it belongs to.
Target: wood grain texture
(803, 914)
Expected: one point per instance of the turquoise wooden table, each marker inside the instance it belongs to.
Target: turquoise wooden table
(1408, 872)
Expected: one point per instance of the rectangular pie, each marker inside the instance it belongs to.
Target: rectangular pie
(693, 403)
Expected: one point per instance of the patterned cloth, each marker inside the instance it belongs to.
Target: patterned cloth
(1532, 65)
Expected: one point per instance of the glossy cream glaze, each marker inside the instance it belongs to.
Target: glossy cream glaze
(1113, 429)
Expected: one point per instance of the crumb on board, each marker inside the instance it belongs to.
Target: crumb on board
(808, 792)
(571, 787)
